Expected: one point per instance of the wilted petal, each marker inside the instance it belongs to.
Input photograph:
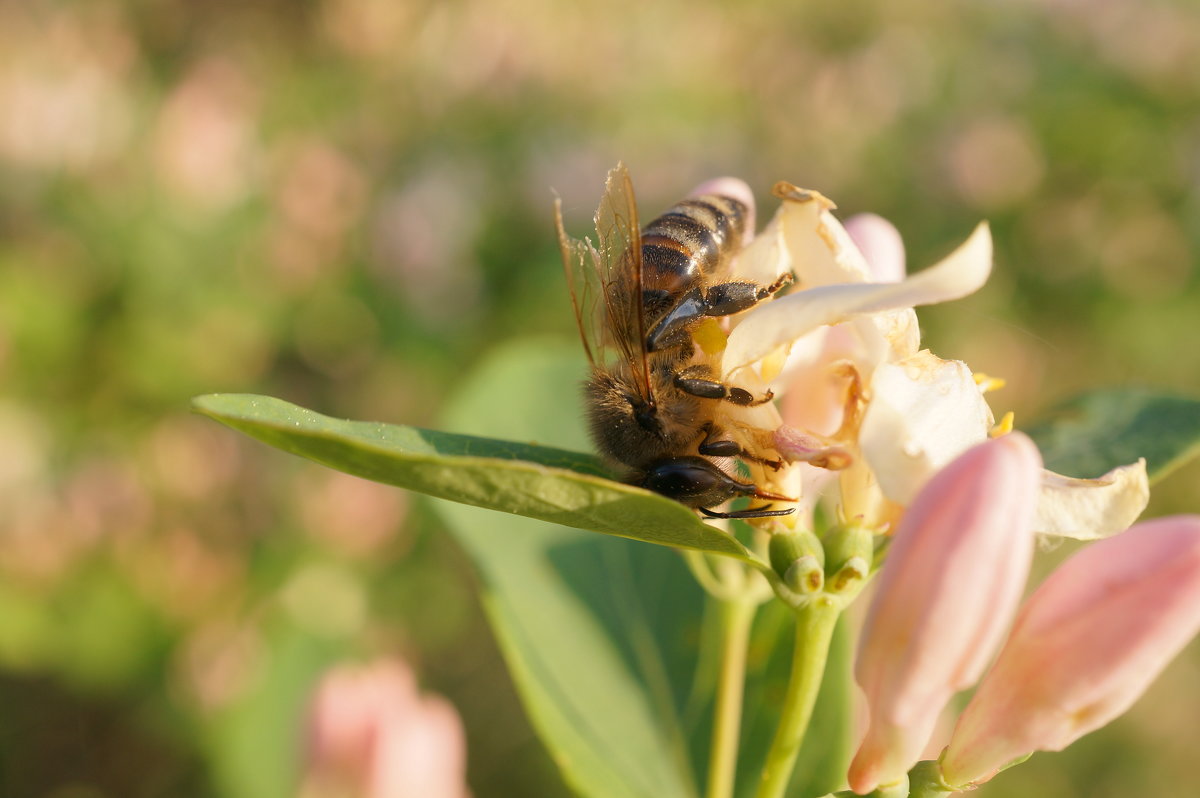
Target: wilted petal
(765, 257)
(1085, 646)
(774, 324)
(848, 264)
(803, 237)
(799, 447)
(923, 412)
(881, 245)
(952, 580)
(1090, 509)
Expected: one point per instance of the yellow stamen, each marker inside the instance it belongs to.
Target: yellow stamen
(793, 193)
(854, 403)
(1003, 427)
(988, 383)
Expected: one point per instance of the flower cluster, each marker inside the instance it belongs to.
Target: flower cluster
(1084, 646)
(904, 443)
(860, 394)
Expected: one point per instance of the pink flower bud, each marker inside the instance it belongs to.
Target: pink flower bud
(951, 584)
(1084, 647)
(880, 244)
(372, 734)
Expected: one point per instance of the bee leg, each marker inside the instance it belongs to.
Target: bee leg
(750, 512)
(722, 299)
(714, 446)
(695, 380)
(725, 299)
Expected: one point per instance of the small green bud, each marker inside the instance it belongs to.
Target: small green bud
(799, 559)
(848, 548)
(805, 575)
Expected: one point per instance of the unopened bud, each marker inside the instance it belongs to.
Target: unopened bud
(848, 580)
(805, 575)
(1086, 644)
(799, 559)
(848, 552)
(954, 574)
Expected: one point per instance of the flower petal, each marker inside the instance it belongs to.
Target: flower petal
(923, 412)
(1090, 509)
(781, 321)
(1085, 646)
(803, 237)
(880, 243)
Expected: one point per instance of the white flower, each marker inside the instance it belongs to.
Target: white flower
(900, 412)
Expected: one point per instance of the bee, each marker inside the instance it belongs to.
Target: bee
(654, 406)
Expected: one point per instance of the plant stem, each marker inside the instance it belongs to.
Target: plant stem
(815, 622)
(736, 619)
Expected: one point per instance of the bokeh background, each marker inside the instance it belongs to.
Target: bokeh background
(347, 203)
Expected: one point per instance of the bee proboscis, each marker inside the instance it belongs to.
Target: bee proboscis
(654, 406)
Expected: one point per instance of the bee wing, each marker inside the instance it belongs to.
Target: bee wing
(606, 280)
(581, 263)
(620, 246)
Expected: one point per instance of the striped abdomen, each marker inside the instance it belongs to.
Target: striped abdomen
(692, 239)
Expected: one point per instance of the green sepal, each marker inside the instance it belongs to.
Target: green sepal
(849, 551)
(799, 560)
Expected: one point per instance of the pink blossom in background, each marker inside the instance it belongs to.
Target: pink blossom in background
(951, 583)
(1085, 646)
(371, 734)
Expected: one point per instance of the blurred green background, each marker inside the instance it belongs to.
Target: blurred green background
(346, 203)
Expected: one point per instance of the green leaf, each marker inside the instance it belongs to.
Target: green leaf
(1097, 431)
(556, 485)
(599, 633)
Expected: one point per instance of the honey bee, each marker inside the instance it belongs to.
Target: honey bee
(654, 406)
